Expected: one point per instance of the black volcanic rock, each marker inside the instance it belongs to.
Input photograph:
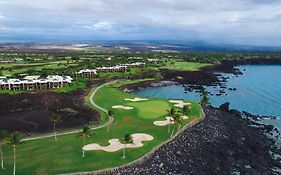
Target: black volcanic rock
(224, 107)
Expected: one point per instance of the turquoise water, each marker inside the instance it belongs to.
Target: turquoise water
(258, 91)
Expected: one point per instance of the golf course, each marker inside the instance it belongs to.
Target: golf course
(184, 66)
(47, 156)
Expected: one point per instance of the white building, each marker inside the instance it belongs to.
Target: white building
(51, 82)
(86, 73)
(112, 69)
(136, 64)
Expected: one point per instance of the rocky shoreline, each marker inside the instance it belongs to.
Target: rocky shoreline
(210, 75)
(223, 143)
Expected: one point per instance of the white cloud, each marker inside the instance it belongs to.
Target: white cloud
(144, 18)
(103, 25)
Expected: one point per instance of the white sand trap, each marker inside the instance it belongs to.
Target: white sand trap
(179, 103)
(136, 99)
(167, 121)
(122, 107)
(164, 122)
(115, 145)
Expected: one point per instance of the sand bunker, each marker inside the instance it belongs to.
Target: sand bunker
(179, 103)
(164, 122)
(169, 120)
(136, 99)
(122, 107)
(115, 145)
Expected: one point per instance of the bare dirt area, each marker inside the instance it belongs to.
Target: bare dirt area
(30, 113)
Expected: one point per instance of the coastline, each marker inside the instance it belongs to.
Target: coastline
(210, 75)
(213, 145)
(262, 138)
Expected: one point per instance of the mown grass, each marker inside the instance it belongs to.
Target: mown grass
(184, 66)
(123, 83)
(46, 156)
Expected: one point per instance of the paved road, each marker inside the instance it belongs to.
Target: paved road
(110, 119)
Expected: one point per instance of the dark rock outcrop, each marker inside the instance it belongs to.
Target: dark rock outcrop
(224, 107)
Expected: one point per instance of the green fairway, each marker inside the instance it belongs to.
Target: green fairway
(184, 66)
(122, 83)
(151, 109)
(45, 156)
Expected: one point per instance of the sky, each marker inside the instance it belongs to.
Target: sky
(247, 22)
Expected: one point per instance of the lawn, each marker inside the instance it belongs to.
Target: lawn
(46, 156)
(151, 109)
(184, 66)
(123, 83)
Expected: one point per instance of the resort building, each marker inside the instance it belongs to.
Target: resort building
(134, 65)
(153, 61)
(90, 73)
(112, 69)
(86, 73)
(34, 82)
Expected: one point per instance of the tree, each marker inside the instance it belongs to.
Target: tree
(110, 114)
(14, 140)
(177, 121)
(186, 110)
(171, 114)
(55, 119)
(204, 98)
(84, 133)
(3, 140)
(127, 139)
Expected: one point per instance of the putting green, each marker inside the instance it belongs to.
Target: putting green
(151, 109)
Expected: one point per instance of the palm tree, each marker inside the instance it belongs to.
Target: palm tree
(55, 119)
(127, 139)
(110, 114)
(177, 121)
(204, 98)
(186, 110)
(14, 140)
(3, 140)
(85, 132)
(171, 114)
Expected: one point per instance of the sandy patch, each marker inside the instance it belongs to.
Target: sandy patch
(115, 145)
(169, 120)
(179, 103)
(122, 107)
(164, 122)
(136, 99)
